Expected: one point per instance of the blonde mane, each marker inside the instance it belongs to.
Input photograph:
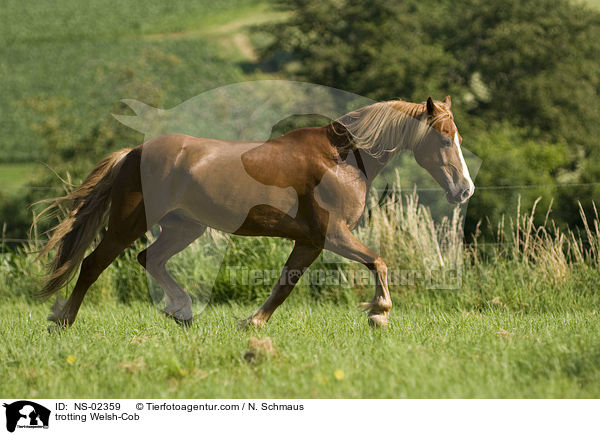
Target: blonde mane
(388, 126)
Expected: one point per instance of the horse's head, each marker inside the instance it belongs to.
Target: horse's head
(439, 152)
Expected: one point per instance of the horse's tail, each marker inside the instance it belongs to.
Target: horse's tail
(71, 237)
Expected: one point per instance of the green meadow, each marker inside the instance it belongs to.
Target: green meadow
(521, 322)
(13, 176)
(319, 350)
(72, 64)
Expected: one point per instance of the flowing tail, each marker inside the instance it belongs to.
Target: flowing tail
(71, 237)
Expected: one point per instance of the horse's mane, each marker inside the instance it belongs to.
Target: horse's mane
(388, 126)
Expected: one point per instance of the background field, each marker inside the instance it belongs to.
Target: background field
(524, 78)
(133, 351)
(71, 60)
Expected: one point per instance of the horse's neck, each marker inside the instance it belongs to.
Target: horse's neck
(371, 166)
(401, 127)
(412, 129)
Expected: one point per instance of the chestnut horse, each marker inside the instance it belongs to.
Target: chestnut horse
(309, 185)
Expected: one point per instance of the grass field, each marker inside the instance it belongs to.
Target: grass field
(522, 323)
(320, 351)
(15, 175)
(592, 3)
(67, 65)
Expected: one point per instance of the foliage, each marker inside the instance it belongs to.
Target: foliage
(521, 71)
(513, 159)
(543, 79)
(538, 60)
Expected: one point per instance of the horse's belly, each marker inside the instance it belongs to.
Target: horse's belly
(220, 193)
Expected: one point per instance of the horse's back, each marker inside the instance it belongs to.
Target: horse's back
(208, 179)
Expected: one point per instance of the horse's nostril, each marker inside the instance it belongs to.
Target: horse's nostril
(465, 194)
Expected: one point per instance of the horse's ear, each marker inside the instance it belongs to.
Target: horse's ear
(447, 101)
(430, 106)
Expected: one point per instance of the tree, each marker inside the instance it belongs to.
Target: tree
(524, 76)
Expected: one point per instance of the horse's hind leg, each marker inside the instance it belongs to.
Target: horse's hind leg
(127, 223)
(177, 233)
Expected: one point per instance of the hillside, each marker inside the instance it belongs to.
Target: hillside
(73, 63)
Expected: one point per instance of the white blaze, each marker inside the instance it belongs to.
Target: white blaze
(465, 170)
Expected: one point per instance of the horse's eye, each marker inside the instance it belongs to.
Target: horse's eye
(446, 142)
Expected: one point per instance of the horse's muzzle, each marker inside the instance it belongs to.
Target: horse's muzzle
(460, 195)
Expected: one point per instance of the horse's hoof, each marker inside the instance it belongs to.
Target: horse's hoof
(185, 323)
(378, 320)
(57, 328)
(376, 306)
(246, 324)
(178, 320)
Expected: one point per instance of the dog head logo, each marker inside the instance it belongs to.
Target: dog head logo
(26, 414)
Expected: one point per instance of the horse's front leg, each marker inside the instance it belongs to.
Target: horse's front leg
(342, 242)
(299, 260)
(379, 307)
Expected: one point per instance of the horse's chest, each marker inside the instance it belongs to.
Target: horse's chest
(342, 192)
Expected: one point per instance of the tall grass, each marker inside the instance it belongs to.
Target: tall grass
(528, 267)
